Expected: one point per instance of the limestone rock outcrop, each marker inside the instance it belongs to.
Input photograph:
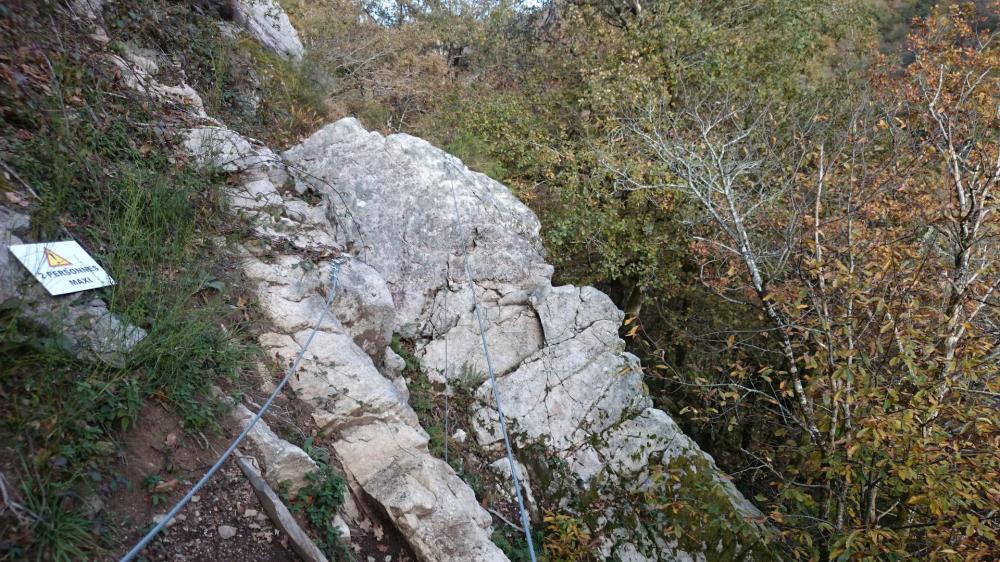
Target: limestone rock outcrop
(429, 226)
(374, 432)
(429, 239)
(266, 22)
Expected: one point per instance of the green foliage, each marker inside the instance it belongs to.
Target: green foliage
(59, 531)
(323, 496)
(144, 217)
(854, 427)
(106, 173)
(685, 504)
(680, 503)
(515, 547)
(150, 484)
(320, 500)
(402, 349)
(567, 539)
(250, 88)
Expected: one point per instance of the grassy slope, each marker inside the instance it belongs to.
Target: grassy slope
(104, 163)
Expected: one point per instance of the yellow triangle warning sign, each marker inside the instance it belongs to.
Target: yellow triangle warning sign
(55, 260)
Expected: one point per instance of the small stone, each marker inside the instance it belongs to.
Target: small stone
(159, 517)
(393, 363)
(92, 504)
(227, 532)
(195, 499)
(341, 526)
(459, 436)
(250, 513)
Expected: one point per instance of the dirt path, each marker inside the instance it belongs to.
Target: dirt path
(161, 462)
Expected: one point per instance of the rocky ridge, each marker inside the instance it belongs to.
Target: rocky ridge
(426, 234)
(374, 433)
(415, 215)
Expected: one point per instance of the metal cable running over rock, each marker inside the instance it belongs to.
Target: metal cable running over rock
(447, 373)
(335, 265)
(525, 521)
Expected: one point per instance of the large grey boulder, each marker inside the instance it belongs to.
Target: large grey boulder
(374, 433)
(409, 208)
(439, 233)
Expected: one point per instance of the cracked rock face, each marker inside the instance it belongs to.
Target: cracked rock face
(374, 432)
(453, 340)
(365, 308)
(427, 224)
(268, 23)
(409, 208)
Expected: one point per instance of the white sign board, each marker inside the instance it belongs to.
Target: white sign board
(62, 267)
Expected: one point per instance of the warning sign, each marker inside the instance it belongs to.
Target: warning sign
(62, 267)
(54, 259)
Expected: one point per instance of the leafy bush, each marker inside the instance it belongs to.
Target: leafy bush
(320, 500)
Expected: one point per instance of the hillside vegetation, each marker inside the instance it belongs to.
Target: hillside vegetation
(793, 201)
(90, 158)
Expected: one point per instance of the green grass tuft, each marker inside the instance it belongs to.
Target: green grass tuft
(108, 173)
(56, 530)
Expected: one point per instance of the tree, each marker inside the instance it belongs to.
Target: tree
(867, 241)
(726, 161)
